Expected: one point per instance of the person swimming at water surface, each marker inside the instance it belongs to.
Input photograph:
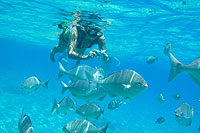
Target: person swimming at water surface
(77, 37)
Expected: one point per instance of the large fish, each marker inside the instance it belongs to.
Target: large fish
(90, 111)
(193, 69)
(78, 72)
(85, 90)
(184, 114)
(24, 124)
(83, 126)
(33, 83)
(124, 83)
(64, 106)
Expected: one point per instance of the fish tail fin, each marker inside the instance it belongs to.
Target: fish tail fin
(176, 67)
(55, 107)
(45, 84)
(20, 118)
(104, 128)
(64, 87)
(62, 70)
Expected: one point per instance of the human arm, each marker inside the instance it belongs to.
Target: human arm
(102, 48)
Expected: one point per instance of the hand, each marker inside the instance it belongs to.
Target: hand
(104, 56)
(93, 53)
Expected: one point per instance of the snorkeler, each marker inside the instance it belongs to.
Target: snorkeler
(77, 37)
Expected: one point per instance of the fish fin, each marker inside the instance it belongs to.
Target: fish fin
(195, 79)
(104, 128)
(127, 85)
(176, 67)
(55, 107)
(20, 118)
(64, 87)
(101, 98)
(62, 71)
(45, 84)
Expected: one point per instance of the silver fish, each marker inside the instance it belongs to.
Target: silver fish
(160, 98)
(66, 105)
(24, 124)
(83, 126)
(90, 111)
(193, 69)
(85, 90)
(33, 83)
(184, 114)
(124, 83)
(78, 72)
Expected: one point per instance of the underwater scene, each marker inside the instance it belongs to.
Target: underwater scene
(97, 66)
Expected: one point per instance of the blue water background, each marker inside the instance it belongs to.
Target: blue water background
(140, 29)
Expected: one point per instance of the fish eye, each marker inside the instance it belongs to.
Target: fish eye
(139, 82)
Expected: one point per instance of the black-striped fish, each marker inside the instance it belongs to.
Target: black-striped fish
(115, 104)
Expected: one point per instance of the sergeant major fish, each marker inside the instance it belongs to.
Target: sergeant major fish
(24, 124)
(64, 106)
(83, 126)
(193, 69)
(115, 104)
(33, 83)
(90, 111)
(151, 60)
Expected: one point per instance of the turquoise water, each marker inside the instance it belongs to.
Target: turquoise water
(138, 30)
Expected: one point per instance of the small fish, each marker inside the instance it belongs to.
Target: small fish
(199, 129)
(192, 69)
(160, 98)
(160, 120)
(124, 83)
(83, 126)
(33, 83)
(184, 114)
(151, 60)
(64, 106)
(24, 123)
(115, 104)
(168, 48)
(90, 111)
(177, 96)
